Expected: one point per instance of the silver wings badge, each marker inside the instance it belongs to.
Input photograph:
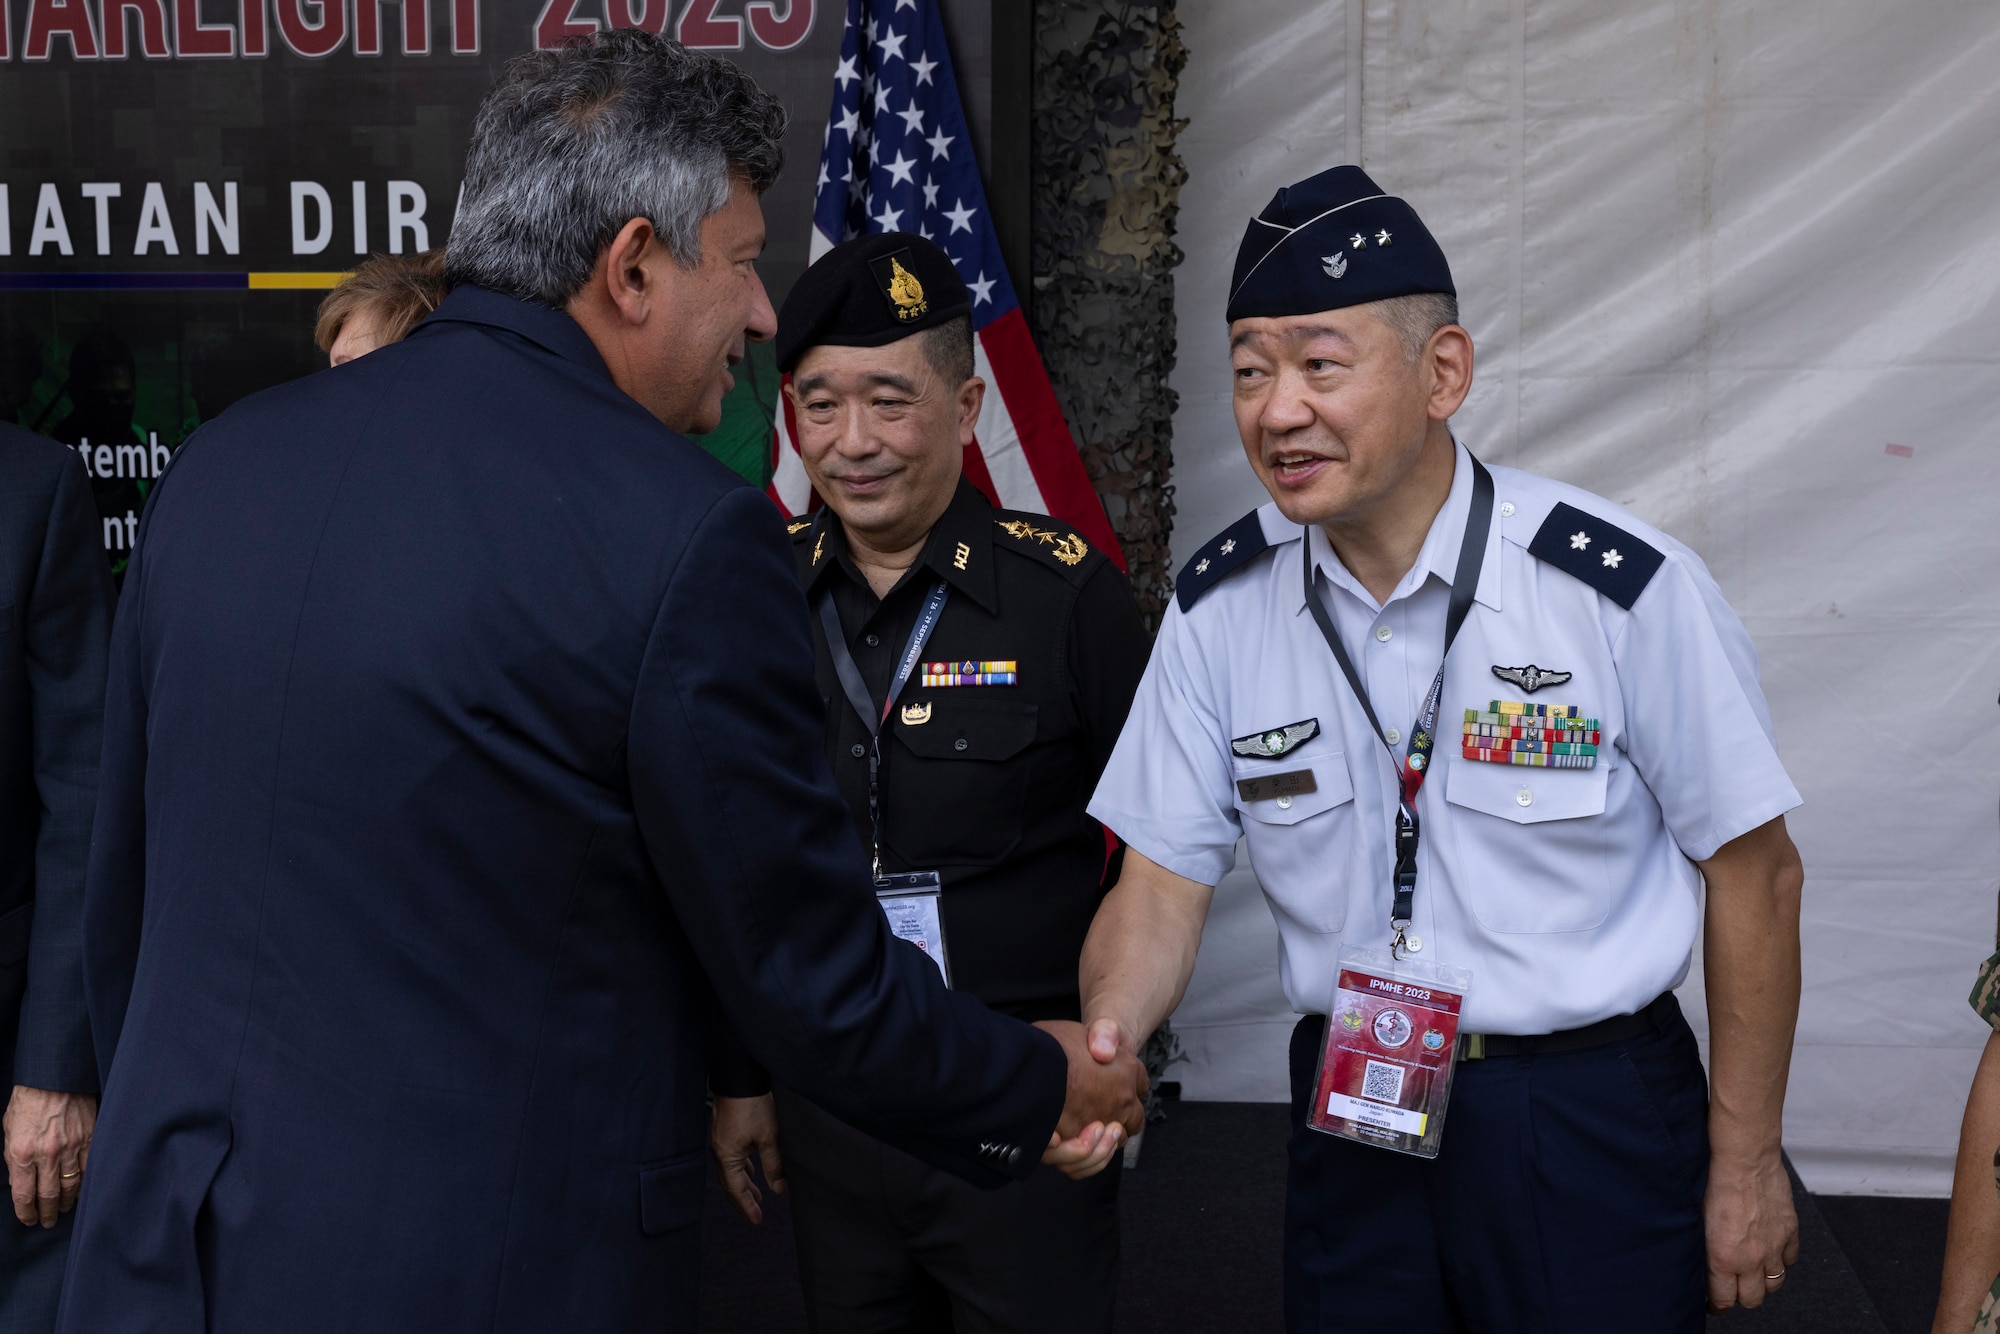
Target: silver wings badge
(1530, 678)
(1277, 741)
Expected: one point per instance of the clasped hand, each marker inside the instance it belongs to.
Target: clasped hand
(47, 1136)
(1104, 1104)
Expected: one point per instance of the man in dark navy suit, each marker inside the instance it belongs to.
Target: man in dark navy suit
(55, 620)
(462, 754)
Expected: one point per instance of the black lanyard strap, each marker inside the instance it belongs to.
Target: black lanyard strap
(1423, 736)
(862, 702)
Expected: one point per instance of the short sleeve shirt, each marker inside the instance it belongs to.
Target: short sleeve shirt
(1570, 893)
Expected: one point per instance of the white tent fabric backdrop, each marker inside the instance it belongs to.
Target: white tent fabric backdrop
(1734, 266)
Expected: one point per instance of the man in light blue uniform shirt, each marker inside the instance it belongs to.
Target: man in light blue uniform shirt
(1602, 748)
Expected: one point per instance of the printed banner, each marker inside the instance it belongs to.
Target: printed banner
(181, 181)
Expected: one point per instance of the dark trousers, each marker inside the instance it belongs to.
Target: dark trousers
(1567, 1198)
(887, 1243)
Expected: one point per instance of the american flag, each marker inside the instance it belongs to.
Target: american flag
(898, 158)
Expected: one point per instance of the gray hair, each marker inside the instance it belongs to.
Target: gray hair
(573, 143)
(1416, 318)
(948, 348)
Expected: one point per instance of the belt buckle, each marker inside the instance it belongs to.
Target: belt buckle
(1472, 1046)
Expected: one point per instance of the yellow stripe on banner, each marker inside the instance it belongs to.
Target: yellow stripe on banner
(282, 282)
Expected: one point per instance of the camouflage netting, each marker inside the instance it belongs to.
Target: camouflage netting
(1106, 189)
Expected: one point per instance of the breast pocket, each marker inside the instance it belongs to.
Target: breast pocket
(1530, 844)
(957, 785)
(1301, 843)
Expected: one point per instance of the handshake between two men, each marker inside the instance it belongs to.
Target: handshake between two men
(1104, 1103)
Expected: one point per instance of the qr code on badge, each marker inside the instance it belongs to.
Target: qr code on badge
(1383, 1082)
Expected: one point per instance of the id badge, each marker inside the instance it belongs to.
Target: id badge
(909, 900)
(1391, 1043)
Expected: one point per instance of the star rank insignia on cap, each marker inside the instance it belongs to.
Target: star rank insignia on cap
(1616, 563)
(1530, 678)
(1277, 741)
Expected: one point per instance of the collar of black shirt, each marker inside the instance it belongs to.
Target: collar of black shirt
(960, 550)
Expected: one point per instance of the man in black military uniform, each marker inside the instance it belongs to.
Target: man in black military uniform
(977, 665)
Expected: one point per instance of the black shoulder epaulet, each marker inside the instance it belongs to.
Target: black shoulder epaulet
(1602, 554)
(1225, 552)
(1052, 541)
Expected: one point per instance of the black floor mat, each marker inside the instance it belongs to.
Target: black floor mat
(1896, 1247)
(1203, 1232)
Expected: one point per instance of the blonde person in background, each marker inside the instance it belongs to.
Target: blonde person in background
(378, 304)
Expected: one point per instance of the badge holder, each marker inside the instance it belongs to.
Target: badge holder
(1391, 1045)
(910, 901)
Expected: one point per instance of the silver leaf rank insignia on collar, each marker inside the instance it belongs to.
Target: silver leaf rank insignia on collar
(1530, 678)
(1277, 741)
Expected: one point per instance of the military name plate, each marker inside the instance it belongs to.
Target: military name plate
(1268, 787)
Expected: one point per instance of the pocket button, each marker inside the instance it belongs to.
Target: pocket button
(1525, 797)
(959, 744)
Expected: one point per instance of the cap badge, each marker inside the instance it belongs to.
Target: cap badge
(1334, 265)
(906, 291)
(1530, 678)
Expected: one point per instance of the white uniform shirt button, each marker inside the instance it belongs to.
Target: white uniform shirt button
(1392, 736)
(1525, 797)
(1284, 803)
(1507, 510)
(1383, 634)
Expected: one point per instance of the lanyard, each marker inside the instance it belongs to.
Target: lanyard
(863, 703)
(1417, 755)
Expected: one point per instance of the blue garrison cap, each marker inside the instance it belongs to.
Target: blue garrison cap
(1333, 240)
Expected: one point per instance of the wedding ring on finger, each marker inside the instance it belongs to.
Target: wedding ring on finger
(1775, 1278)
(69, 1176)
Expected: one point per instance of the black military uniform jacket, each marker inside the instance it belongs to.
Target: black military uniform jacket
(985, 784)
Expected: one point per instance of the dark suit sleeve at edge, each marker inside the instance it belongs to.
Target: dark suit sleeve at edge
(732, 1071)
(66, 626)
(114, 896)
(759, 859)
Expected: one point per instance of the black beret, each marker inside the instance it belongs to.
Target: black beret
(1333, 240)
(870, 291)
